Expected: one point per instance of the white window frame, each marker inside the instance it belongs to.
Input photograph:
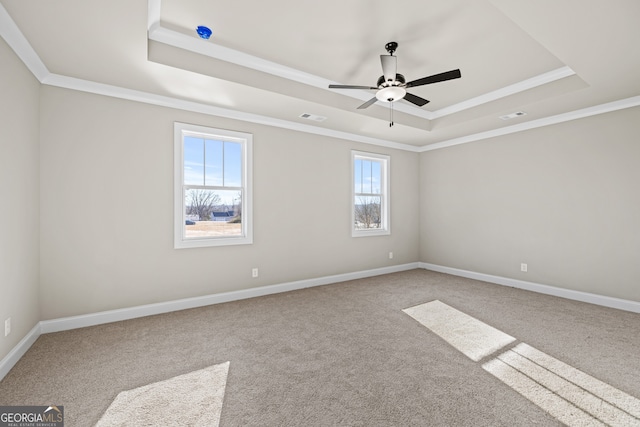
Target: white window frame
(246, 140)
(385, 208)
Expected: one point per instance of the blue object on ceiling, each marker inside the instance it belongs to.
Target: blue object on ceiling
(203, 32)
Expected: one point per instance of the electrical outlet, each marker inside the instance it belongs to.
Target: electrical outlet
(390, 255)
(7, 326)
(523, 267)
(254, 272)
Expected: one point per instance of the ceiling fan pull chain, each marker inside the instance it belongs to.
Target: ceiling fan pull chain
(390, 114)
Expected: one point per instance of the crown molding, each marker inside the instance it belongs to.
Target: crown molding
(196, 45)
(634, 101)
(20, 45)
(10, 32)
(212, 50)
(197, 107)
(153, 15)
(535, 81)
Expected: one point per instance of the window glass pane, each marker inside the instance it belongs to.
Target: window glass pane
(213, 213)
(193, 160)
(367, 212)
(366, 178)
(357, 175)
(232, 164)
(375, 177)
(213, 165)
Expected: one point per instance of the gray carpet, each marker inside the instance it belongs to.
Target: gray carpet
(193, 399)
(342, 354)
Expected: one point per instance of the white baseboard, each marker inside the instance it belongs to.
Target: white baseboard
(74, 322)
(618, 303)
(92, 319)
(19, 350)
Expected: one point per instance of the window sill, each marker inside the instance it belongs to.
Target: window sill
(369, 233)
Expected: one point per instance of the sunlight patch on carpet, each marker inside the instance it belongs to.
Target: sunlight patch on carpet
(468, 335)
(193, 399)
(566, 393)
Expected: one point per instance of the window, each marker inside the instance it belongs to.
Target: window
(212, 194)
(370, 201)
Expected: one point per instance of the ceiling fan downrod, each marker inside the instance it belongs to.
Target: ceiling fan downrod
(391, 48)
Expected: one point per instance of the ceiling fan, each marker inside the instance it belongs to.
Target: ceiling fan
(392, 86)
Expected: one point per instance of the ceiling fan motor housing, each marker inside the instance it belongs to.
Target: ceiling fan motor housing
(398, 82)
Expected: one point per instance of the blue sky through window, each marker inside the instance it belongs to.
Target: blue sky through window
(367, 176)
(212, 162)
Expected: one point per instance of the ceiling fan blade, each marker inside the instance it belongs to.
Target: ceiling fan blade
(415, 99)
(389, 67)
(368, 103)
(351, 87)
(448, 75)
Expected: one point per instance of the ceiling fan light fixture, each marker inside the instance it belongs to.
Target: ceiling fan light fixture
(391, 93)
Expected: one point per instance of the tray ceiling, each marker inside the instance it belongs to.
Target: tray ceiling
(272, 64)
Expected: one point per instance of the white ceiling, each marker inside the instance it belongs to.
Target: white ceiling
(270, 62)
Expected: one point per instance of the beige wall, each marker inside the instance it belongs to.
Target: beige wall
(19, 214)
(86, 219)
(565, 199)
(107, 208)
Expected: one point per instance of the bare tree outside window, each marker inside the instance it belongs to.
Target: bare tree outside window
(237, 208)
(202, 203)
(367, 213)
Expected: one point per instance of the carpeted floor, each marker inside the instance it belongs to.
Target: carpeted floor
(193, 399)
(342, 354)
